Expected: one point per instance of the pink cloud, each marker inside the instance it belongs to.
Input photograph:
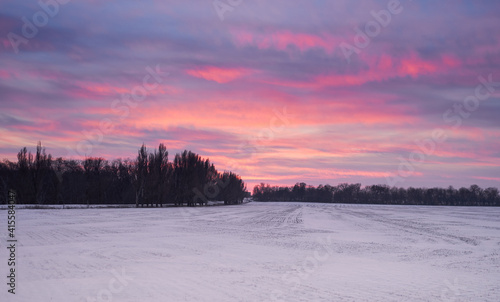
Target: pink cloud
(217, 74)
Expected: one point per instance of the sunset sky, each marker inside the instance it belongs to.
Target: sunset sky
(276, 91)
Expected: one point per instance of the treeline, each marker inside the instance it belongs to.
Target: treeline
(379, 194)
(151, 180)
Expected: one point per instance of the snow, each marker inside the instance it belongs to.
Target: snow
(256, 252)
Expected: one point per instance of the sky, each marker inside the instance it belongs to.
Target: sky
(403, 93)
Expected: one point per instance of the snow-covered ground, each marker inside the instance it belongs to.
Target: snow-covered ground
(256, 252)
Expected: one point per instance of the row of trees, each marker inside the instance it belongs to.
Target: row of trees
(379, 194)
(151, 179)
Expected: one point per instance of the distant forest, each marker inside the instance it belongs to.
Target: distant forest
(149, 180)
(379, 194)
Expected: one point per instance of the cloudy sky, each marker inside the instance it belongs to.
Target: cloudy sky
(376, 92)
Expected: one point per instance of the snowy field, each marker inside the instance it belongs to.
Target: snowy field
(256, 252)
